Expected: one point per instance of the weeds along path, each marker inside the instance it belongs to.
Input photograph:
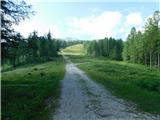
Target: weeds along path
(83, 99)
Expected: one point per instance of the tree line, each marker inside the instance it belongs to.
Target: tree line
(66, 43)
(15, 49)
(33, 49)
(140, 47)
(144, 47)
(107, 47)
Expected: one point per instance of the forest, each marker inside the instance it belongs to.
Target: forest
(107, 47)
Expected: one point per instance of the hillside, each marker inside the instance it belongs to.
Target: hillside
(77, 49)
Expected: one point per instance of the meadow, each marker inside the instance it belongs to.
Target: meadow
(31, 92)
(77, 49)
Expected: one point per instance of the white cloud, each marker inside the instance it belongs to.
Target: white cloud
(95, 10)
(134, 19)
(29, 25)
(55, 31)
(96, 26)
(106, 24)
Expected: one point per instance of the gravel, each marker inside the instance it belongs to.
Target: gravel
(84, 99)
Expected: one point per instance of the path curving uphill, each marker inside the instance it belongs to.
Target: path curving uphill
(84, 99)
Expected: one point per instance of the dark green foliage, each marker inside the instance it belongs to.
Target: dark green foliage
(33, 49)
(108, 47)
(12, 12)
(144, 47)
(44, 47)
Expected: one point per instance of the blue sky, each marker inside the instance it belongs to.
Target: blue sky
(88, 20)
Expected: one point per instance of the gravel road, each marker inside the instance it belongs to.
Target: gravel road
(84, 99)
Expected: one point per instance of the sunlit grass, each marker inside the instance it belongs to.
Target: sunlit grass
(77, 49)
(27, 91)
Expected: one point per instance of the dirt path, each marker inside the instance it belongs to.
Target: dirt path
(83, 99)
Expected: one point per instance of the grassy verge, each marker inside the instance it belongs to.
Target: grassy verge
(136, 83)
(29, 93)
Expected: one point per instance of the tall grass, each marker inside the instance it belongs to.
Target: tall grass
(27, 92)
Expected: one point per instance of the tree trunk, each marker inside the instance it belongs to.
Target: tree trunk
(158, 62)
(145, 57)
(150, 59)
(155, 61)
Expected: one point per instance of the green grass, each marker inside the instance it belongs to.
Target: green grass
(30, 92)
(77, 49)
(133, 82)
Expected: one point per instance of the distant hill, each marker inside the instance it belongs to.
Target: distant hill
(77, 49)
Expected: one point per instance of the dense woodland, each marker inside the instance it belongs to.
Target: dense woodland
(107, 47)
(140, 47)
(32, 49)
